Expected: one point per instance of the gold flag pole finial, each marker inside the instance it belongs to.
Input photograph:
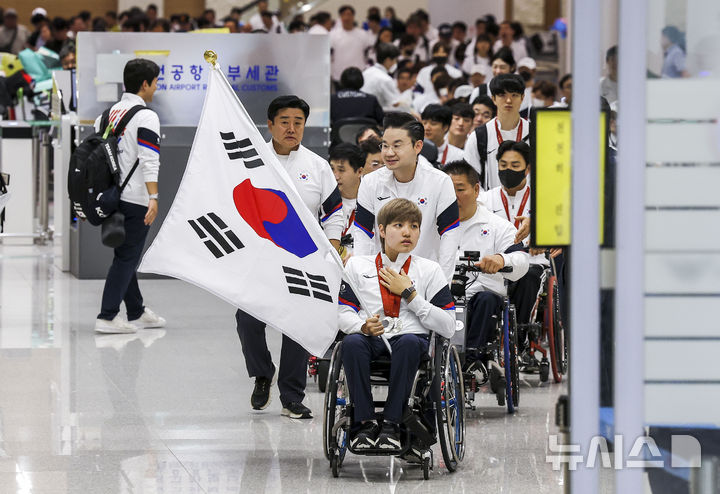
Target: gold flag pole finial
(211, 57)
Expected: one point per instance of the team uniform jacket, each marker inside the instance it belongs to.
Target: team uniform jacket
(315, 182)
(140, 141)
(493, 201)
(492, 179)
(447, 153)
(490, 234)
(432, 309)
(432, 191)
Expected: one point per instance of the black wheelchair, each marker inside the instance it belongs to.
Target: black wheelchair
(546, 332)
(435, 410)
(502, 371)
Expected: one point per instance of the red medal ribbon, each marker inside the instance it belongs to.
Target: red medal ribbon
(499, 136)
(350, 222)
(391, 302)
(445, 154)
(520, 209)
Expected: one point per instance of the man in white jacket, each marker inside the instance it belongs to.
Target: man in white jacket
(405, 176)
(412, 295)
(314, 181)
(494, 238)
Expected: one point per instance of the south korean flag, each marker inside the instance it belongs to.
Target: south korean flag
(239, 229)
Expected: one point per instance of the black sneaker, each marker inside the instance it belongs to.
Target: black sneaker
(366, 436)
(412, 455)
(260, 397)
(389, 437)
(296, 410)
(528, 363)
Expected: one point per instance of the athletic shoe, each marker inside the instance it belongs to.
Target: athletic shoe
(477, 369)
(149, 320)
(528, 363)
(260, 397)
(366, 436)
(116, 326)
(412, 455)
(296, 410)
(389, 437)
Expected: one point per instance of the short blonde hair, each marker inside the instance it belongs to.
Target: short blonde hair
(398, 210)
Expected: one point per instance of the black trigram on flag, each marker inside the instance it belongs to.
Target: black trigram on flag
(307, 284)
(241, 150)
(216, 235)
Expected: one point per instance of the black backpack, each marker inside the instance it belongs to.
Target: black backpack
(94, 175)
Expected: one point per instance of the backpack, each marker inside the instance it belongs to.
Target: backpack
(482, 138)
(94, 174)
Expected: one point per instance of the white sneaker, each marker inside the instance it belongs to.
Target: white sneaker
(149, 320)
(116, 326)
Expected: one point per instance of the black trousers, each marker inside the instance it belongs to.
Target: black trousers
(292, 375)
(357, 352)
(121, 283)
(523, 292)
(483, 310)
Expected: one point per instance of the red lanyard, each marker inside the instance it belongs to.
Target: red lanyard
(350, 222)
(520, 209)
(445, 154)
(499, 136)
(391, 302)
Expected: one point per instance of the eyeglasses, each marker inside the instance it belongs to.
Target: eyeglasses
(395, 147)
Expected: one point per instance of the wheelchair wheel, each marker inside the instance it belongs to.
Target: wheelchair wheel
(322, 374)
(334, 410)
(510, 360)
(556, 334)
(450, 405)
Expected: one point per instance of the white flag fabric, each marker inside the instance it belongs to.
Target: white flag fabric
(239, 229)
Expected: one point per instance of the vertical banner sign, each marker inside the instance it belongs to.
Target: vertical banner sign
(551, 196)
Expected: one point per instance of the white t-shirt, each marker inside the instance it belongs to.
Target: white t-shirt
(348, 50)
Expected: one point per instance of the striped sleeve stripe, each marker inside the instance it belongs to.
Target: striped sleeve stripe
(335, 210)
(448, 219)
(450, 306)
(149, 145)
(369, 233)
(450, 227)
(342, 301)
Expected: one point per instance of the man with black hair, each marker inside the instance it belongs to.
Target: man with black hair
(440, 54)
(351, 102)
(373, 154)
(151, 12)
(509, 37)
(348, 43)
(608, 84)
(459, 32)
(461, 125)
(314, 181)
(437, 119)
(494, 238)
(321, 22)
(565, 86)
(13, 36)
(482, 145)
(367, 132)
(404, 176)
(139, 162)
(511, 201)
(378, 80)
(484, 110)
(440, 92)
(347, 162)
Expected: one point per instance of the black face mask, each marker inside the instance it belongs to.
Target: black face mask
(511, 178)
(439, 60)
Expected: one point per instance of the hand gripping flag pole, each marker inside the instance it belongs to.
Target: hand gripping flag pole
(211, 57)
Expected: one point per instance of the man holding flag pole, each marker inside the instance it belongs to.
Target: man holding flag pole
(258, 225)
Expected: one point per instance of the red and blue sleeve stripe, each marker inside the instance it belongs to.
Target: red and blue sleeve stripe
(348, 298)
(448, 219)
(444, 299)
(332, 204)
(148, 139)
(365, 220)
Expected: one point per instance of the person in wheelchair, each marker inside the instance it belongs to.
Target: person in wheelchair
(494, 238)
(408, 296)
(511, 201)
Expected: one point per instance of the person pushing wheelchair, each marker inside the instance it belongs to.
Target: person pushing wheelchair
(407, 297)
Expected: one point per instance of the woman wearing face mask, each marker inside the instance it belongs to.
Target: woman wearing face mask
(502, 62)
(440, 53)
(481, 56)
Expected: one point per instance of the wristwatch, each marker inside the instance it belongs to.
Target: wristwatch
(154, 196)
(407, 293)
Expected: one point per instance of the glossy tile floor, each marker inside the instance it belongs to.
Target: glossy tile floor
(167, 411)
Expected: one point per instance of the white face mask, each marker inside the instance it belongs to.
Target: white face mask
(392, 68)
(538, 103)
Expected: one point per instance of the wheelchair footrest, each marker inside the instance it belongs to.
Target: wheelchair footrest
(422, 435)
